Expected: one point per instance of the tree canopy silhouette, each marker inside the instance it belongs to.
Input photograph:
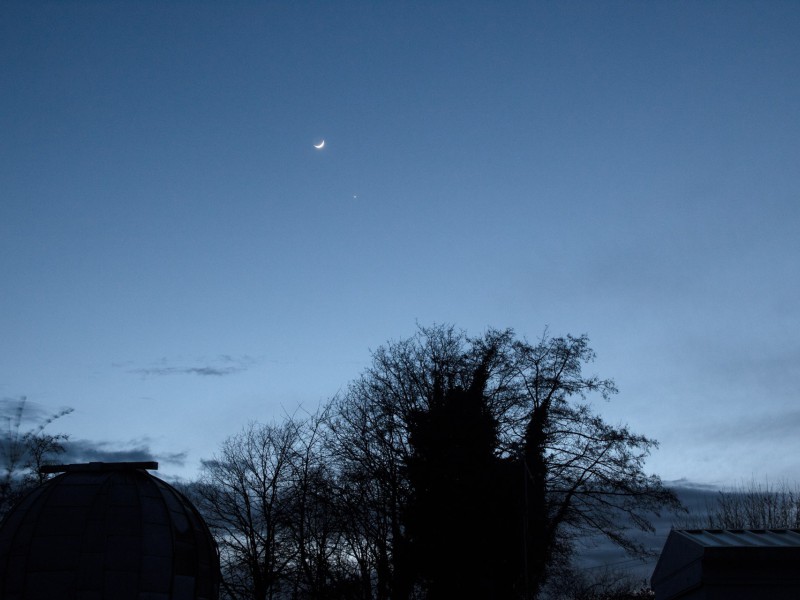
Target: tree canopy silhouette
(454, 466)
(484, 459)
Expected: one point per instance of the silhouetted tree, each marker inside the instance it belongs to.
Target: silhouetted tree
(453, 467)
(269, 496)
(243, 495)
(367, 454)
(314, 520)
(370, 443)
(517, 410)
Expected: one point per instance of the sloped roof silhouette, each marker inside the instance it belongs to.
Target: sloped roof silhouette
(729, 563)
(107, 531)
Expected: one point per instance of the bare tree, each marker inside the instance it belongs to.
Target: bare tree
(315, 522)
(367, 483)
(243, 494)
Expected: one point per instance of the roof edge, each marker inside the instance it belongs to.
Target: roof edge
(99, 466)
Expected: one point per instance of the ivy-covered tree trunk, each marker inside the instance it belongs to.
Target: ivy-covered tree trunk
(451, 471)
(537, 546)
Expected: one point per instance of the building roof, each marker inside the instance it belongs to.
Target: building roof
(754, 558)
(107, 530)
(742, 538)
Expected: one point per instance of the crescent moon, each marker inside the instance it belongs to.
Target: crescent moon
(320, 146)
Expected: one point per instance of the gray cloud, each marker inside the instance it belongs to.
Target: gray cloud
(83, 451)
(221, 366)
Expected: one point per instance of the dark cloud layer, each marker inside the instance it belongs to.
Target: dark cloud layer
(83, 451)
(599, 553)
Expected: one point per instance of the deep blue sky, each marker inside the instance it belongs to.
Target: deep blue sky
(177, 259)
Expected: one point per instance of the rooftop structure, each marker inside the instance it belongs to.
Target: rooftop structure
(106, 531)
(730, 564)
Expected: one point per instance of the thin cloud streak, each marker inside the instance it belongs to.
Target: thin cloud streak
(203, 371)
(773, 427)
(225, 365)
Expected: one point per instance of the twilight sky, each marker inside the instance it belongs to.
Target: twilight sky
(177, 259)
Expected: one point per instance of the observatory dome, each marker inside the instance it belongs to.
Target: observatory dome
(107, 531)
